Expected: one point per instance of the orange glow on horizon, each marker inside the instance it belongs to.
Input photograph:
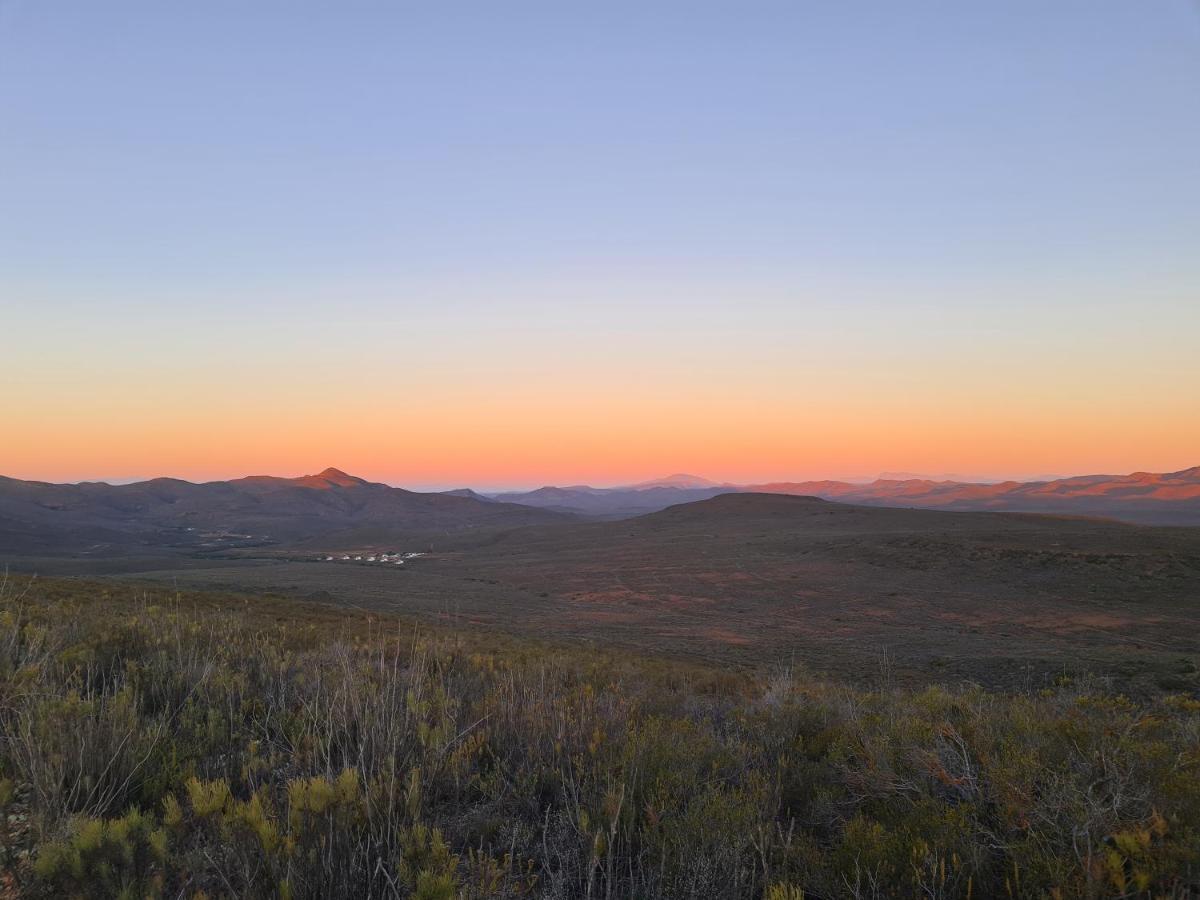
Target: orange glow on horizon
(598, 407)
(600, 443)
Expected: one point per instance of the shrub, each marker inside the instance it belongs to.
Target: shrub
(146, 751)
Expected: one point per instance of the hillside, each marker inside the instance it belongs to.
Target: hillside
(612, 503)
(101, 519)
(743, 577)
(1171, 498)
(758, 579)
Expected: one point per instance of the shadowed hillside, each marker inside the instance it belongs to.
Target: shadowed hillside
(1001, 598)
(97, 519)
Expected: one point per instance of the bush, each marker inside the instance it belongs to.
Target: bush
(152, 752)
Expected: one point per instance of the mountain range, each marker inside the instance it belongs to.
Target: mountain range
(1171, 498)
(169, 513)
(333, 508)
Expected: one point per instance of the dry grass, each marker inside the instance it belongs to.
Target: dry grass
(163, 745)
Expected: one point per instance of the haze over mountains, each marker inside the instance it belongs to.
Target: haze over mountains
(1171, 498)
(334, 508)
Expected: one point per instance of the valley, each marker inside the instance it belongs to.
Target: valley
(759, 580)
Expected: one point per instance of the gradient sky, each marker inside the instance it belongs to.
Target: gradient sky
(505, 244)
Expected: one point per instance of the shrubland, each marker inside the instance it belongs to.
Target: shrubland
(156, 745)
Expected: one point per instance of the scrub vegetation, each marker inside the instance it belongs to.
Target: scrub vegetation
(202, 745)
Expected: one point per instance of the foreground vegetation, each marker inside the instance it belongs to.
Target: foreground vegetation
(171, 747)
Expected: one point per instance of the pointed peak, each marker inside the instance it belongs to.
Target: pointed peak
(337, 477)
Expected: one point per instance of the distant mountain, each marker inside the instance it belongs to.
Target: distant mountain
(678, 480)
(1172, 498)
(610, 503)
(467, 492)
(170, 514)
(333, 509)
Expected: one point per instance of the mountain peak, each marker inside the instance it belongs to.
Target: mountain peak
(336, 477)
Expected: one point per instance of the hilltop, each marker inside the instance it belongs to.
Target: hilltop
(164, 514)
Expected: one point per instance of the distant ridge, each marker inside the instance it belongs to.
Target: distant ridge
(1170, 498)
(334, 508)
(168, 514)
(467, 492)
(620, 502)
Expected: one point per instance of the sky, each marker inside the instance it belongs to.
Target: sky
(504, 245)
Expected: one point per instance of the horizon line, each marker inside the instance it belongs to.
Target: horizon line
(946, 477)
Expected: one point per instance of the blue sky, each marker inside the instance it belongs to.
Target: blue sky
(235, 141)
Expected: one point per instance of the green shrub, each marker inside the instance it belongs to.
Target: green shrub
(121, 857)
(146, 751)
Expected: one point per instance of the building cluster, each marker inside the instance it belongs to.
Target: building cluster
(395, 559)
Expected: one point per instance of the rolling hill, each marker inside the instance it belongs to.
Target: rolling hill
(98, 519)
(1171, 498)
(611, 503)
(766, 579)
